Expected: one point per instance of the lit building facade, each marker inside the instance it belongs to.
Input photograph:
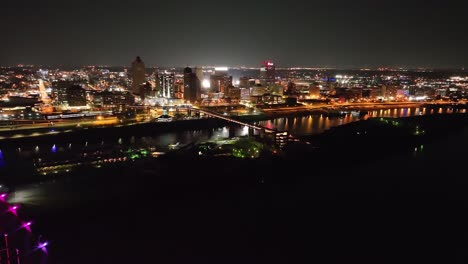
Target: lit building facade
(166, 86)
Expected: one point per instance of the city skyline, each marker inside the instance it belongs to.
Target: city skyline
(362, 34)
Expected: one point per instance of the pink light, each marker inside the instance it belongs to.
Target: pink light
(27, 226)
(13, 209)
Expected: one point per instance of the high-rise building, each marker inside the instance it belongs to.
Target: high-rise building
(220, 81)
(268, 72)
(138, 75)
(76, 96)
(192, 86)
(166, 82)
(145, 90)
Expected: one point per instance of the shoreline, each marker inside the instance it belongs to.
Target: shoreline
(148, 127)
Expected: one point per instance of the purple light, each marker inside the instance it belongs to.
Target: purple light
(3, 195)
(28, 224)
(14, 207)
(42, 246)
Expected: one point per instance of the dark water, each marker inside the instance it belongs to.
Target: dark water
(316, 124)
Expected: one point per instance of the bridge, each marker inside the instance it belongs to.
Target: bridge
(280, 138)
(229, 119)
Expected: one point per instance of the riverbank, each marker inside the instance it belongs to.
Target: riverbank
(139, 129)
(268, 114)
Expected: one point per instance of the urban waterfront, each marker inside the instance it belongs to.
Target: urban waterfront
(55, 150)
(228, 132)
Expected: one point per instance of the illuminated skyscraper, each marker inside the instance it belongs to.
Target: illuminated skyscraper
(166, 84)
(268, 72)
(138, 75)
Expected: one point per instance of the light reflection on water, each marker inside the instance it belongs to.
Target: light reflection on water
(316, 124)
(303, 125)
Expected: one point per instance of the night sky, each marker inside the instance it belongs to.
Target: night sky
(344, 34)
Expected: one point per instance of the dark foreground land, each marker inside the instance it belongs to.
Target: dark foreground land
(369, 192)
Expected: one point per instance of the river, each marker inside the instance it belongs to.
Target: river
(316, 124)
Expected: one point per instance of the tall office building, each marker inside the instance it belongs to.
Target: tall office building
(192, 86)
(138, 75)
(220, 81)
(166, 84)
(268, 72)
